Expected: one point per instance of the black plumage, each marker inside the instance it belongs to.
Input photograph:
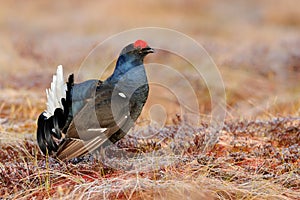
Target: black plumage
(97, 113)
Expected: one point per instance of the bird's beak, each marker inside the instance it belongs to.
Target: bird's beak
(147, 50)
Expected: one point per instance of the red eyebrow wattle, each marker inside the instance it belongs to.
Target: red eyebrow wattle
(140, 43)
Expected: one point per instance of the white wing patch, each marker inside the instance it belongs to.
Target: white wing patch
(97, 129)
(56, 92)
(122, 95)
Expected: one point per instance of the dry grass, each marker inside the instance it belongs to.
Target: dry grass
(255, 45)
(251, 160)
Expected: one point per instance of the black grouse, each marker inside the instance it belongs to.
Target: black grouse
(82, 117)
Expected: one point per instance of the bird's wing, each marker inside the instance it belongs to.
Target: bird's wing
(96, 122)
(83, 92)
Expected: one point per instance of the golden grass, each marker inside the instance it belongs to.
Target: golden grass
(251, 160)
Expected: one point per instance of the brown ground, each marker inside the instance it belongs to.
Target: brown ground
(256, 46)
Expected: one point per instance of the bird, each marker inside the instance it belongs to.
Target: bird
(82, 117)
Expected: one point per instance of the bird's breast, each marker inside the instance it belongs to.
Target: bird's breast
(138, 100)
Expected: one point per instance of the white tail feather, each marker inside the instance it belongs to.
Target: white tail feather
(56, 92)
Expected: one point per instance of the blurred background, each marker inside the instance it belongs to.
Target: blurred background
(255, 44)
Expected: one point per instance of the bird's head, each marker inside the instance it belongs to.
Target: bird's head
(137, 50)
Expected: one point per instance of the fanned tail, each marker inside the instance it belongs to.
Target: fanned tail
(55, 120)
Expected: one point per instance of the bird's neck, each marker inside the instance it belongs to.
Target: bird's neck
(127, 69)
